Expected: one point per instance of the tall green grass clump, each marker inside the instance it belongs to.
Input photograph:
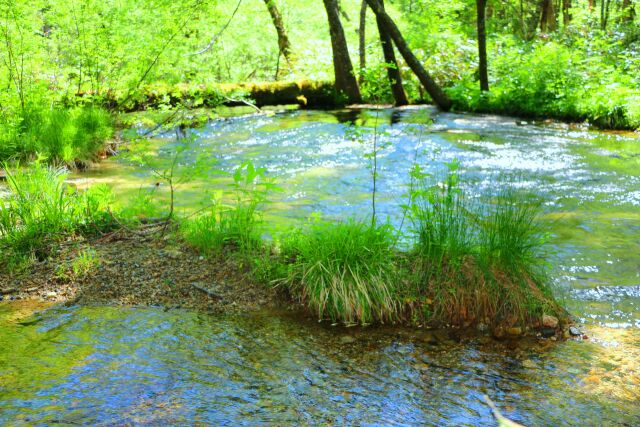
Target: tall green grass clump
(344, 271)
(71, 137)
(41, 209)
(476, 260)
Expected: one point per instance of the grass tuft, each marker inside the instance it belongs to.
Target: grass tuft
(344, 271)
(477, 261)
(233, 227)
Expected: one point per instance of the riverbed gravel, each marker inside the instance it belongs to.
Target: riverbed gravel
(140, 270)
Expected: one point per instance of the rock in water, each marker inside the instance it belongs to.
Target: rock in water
(574, 331)
(549, 321)
(548, 332)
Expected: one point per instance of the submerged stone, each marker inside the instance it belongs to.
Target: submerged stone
(548, 332)
(514, 331)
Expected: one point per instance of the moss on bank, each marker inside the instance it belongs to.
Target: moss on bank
(311, 94)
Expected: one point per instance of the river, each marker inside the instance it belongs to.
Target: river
(147, 366)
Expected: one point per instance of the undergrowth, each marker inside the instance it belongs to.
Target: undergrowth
(42, 210)
(550, 80)
(71, 137)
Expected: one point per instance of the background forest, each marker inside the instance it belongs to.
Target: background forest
(572, 60)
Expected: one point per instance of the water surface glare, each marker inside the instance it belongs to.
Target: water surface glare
(147, 366)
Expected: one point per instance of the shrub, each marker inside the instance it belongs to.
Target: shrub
(344, 271)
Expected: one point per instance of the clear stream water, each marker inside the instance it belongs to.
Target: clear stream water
(115, 366)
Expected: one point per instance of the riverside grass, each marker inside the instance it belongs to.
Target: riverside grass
(476, 261)
(344, 271)
(41, 209)
(472, 262)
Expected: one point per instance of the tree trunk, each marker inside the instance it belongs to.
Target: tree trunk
(566, 13)
(362, 38)
(547, 17)
(482, 45)
(604, 13)
(390, 28)
(345, 79)
(393, 71)
(283, 40)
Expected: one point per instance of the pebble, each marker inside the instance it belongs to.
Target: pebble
(51, 294)
(549, 321)
(516, 330)
(528, 363)
(574, 331)
(172, 253)
(548, 332)
(347, 339)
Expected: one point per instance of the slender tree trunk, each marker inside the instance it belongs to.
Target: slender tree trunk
(604, 13)
(393, 71)
(362, 38)
(482, 45)
(284, 45)
(345, 79)
(437, 94)
(566, 13)
(523, 24)
(547, 17)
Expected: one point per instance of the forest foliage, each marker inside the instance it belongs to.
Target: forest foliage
(580, 60)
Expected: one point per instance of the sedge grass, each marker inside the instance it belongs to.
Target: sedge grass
(343, 271)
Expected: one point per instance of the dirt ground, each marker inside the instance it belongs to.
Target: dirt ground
(129, 269)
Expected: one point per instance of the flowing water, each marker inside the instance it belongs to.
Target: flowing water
(105, 365)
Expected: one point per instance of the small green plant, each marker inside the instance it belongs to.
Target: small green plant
(344, 271)
(84, 263)
(373, 143)
(234, 224)
(173, 173)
